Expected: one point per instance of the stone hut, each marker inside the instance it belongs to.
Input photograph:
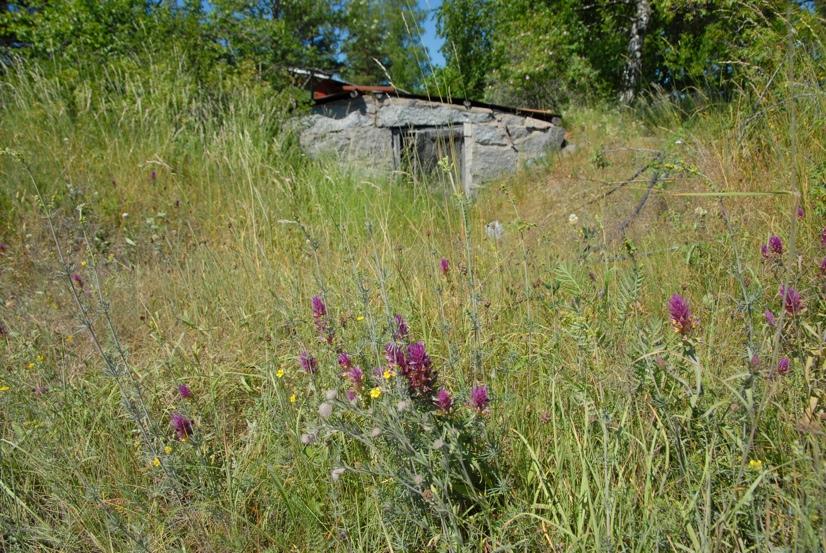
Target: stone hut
(390, 130)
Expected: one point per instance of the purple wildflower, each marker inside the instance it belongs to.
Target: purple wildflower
(770, 318)
(308, 362)
(444, 265)
(344, 360)
(443, 400)
(394, 355)
(319, 308)
(324, 330)
(681, 316)
(783, 366)
(351, 395)
(184, 391)
(4, 247)
(799, 212)
(479, 398)
(3, 330)
(76, 278)
(419, 370)
(755, 360)
(764, 251)
(823, 267)
(776, 244)
(153, 175)
(823, 237)
(182, 425)
(791, 300)
(356, 375)
(400, 329)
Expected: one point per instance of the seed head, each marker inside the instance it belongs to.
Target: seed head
(325, 410)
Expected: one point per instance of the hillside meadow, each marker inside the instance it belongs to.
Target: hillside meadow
(213, 343)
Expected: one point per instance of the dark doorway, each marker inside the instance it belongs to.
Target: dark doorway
(420, 152)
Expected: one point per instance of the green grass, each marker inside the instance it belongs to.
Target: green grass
(207, 272)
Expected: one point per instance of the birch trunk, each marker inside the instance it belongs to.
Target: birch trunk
(633, 67)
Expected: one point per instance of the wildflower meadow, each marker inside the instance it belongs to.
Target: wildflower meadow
(211, 342)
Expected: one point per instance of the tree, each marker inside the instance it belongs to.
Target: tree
(382, 43)
(274, 35)
(467, 27)
(633, 66)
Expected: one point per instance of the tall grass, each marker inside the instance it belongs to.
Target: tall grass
(209, 232)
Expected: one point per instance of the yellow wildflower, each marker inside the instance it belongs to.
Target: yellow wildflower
(360, 318)
(388, 374)
(756, 464)
(70, 339)
(30, 365)
(280, 372)
(40, 358)
(293, 398)
(375, 393)
(156, 462)
(167, 449)
(84, 263)
(4, 388)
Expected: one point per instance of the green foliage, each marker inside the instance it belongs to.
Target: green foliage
(382, 43)
(546, 55)
(466, 26)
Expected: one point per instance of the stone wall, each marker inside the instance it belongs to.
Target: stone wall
(361, 129)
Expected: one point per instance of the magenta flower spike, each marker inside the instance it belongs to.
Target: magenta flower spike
(681, 316)
(479, 398)
(182, 425)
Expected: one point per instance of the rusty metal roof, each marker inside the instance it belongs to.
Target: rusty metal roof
(540, 114)
(325, 88)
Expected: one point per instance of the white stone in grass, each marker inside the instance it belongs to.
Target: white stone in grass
(336, 473)
(331, 395)
(325, 410)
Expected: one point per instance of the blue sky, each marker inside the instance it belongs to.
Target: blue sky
(431, 41)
